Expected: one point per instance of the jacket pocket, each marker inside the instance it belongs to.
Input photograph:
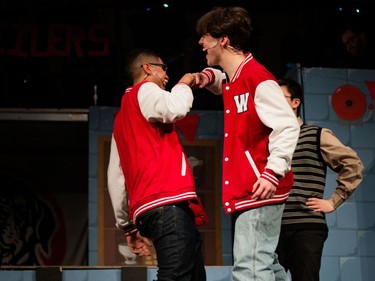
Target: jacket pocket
(183, 165)
(252, 163)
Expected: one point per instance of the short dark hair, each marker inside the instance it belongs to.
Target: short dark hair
(135, 58)
(295, 90)
(354, 26)
(233, 22)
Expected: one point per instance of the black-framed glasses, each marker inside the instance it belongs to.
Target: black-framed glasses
(162, 65)
(288, 97)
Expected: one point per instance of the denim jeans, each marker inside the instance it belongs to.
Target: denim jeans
(255, 239)
(176, 240)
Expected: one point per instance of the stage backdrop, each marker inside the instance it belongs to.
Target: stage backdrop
(343, 101)
(43, 189)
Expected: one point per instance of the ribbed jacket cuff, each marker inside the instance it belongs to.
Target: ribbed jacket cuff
(270, 176)
(129, 229)
(210, 75)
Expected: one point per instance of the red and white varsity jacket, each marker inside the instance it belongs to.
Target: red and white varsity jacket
(260, 135)
(147, 153)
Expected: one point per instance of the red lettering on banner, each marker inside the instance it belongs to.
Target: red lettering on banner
(95, 38)
(34, 42)
(20, 34)
(58, 44)
(61, 40)
(77, 38)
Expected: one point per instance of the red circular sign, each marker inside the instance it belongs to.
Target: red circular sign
(349, 102)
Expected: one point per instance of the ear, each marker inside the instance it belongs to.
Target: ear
(296, 102)
(224, 41)
(146, 68)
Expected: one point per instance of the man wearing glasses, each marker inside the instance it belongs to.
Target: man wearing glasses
(159, 202)
(304, 228)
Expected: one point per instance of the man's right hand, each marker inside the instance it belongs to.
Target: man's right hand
(188, 79)
(138, 244)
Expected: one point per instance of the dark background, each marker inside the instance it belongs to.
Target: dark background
(284, 33)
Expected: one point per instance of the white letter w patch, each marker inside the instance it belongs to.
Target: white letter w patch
(241, 102)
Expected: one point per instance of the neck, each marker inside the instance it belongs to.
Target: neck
(231, 61)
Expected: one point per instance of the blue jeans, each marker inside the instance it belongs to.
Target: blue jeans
(255, 239)
(176, 240)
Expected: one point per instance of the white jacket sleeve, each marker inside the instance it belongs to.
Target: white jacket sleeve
(275, 113)
(117, 190)
(167, 107)
(216, 77)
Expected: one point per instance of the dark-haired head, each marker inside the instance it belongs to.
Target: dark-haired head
(295, 90)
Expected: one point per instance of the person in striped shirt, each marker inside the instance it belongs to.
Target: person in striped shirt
(304, 228)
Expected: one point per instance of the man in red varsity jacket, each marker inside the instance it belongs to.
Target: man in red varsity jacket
(260, 135)
(159, 201)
